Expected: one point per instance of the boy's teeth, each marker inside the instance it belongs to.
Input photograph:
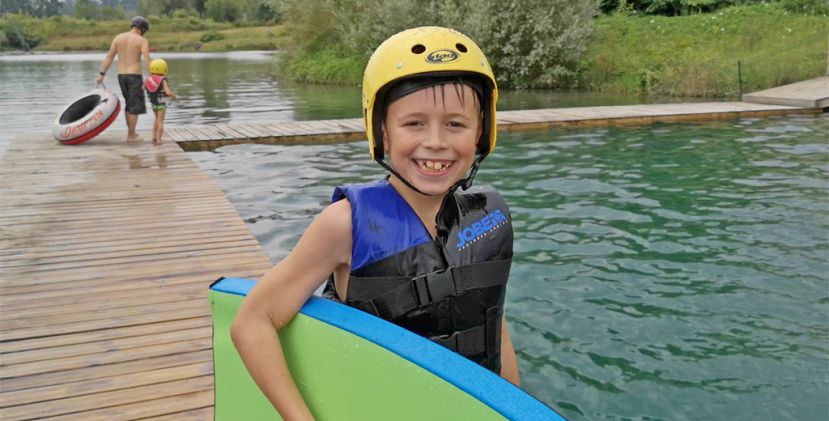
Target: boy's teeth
(433, 165)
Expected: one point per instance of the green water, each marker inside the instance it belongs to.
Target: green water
(665, 272)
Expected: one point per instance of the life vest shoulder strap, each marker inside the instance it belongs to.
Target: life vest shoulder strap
(153, 83)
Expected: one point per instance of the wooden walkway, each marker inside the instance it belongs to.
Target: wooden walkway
(196, 138)
(813, 93)
(106, 254)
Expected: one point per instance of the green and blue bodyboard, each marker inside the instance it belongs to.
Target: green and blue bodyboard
(350, 365)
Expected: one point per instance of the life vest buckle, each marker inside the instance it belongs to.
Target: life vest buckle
(434, 286)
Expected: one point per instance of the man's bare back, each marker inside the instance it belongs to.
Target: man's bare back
(130, 46)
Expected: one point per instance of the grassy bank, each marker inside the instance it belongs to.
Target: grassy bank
(166, 34)
(697, 55)
(324, 64)
(685, 56)
(688, 56)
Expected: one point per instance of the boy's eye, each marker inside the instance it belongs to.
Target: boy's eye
(456, 124)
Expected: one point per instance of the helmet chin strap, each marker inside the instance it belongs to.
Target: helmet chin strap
(463, 184)
(466, 183)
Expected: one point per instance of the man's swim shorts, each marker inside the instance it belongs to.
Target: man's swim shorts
(132, 86)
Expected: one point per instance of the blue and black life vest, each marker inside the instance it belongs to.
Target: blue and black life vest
(449, 289)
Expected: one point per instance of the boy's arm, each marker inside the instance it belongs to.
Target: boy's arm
(276, 299)
(113, 48)
(509, 363)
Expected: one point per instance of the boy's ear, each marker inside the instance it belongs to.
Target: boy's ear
(385, 137)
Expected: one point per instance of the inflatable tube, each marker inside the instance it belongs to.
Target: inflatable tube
(86, 117)
(350, 365)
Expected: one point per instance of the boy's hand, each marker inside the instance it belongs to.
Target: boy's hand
(99, 79)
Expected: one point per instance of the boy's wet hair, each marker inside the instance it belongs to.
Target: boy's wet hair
(407, 86)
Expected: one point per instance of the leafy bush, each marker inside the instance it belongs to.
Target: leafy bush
(190, 13)
(530, 43)
(211, 36)
(533, 43)
(22, 32)
(809, 7)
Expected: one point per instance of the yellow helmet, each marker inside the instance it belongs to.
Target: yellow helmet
(423, 53)
(158, 67)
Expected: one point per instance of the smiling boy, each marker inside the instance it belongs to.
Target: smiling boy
(419, 248)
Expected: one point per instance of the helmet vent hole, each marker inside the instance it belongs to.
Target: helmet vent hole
(461, 47)
(418, 49)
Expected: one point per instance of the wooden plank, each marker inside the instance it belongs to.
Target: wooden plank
(189, 133)
(137, 309)
(277, 129)
(92, 403)
(241, 128)
(259, 130)
(210, 132)
(109, 245)
(219, 252)
(154, 317)
(86, 387)
(171, 294)
(80, 338)
(193, 415)
(172, 134)
(103, 359)
(112, 371)
(211, 268)
(231, 131)
(129, 254)
(161, 406)
(112, 347)
(203, 132)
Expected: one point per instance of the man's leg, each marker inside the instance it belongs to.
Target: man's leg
(132, 121)
(132, 89)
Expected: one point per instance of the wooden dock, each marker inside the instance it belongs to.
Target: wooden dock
(197, 138)
(106, 254)
(813, 93)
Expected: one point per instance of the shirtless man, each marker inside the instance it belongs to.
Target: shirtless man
(130, 46)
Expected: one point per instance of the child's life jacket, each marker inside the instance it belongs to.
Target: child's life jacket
(155, 89)
(449, 289)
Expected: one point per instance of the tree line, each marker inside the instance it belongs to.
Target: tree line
(273, 10)
(262, 11)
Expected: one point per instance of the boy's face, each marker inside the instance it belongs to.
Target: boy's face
(431, 135)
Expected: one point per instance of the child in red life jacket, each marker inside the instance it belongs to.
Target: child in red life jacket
(160, 95)
(421, 247)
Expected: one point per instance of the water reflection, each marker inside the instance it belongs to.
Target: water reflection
(213, 88)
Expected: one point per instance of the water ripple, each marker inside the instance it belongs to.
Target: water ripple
(651, 280)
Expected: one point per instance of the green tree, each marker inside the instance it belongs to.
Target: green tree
(164, 7)
(36, 8)
(86, 9)
(267, 11)
(223, 10)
